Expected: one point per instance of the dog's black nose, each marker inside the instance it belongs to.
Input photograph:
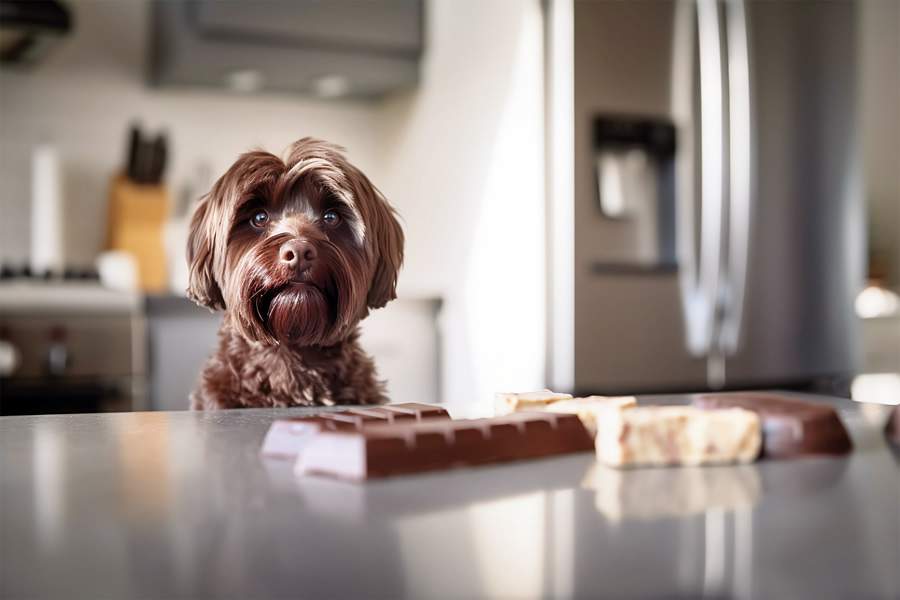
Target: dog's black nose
(297, 254)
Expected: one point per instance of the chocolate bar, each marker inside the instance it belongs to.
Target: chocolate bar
(384, 450)
(286, 438)
(791, 427)
(677, 435)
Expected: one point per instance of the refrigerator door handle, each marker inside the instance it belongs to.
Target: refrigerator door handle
(740, 174)
(700, 280)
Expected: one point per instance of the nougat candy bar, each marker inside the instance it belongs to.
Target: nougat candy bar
(592, 408)
(509, 402)
(677, 435)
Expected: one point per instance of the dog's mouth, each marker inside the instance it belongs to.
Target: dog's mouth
(264, 301)
(296, 312)
(315, 306)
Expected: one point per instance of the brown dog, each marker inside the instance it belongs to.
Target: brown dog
(296, 252)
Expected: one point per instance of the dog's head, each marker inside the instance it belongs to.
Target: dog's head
(296, 251)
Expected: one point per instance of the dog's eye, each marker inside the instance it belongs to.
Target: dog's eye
(259, 219)
(331, 218)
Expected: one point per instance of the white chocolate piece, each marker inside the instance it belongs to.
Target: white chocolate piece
(677, 435)
(592, 408)
(506, 403)
(286, 439)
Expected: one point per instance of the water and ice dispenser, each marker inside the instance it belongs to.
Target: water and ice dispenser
(634, 162)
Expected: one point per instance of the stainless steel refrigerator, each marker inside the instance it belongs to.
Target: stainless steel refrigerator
(706, 227)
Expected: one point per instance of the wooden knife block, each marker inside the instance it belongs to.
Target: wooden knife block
(136, 216)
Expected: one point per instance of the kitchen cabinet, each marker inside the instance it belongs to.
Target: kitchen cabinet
(329, 49)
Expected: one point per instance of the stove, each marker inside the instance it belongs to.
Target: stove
(69, 345)
(13, 272)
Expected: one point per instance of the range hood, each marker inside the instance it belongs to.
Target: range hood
(328, 49)
(29, 28)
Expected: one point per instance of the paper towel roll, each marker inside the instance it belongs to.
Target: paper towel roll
(46, 211)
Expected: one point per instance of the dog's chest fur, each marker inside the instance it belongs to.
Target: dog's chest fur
(242, 374)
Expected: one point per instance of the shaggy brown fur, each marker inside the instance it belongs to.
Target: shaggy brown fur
(296, 252)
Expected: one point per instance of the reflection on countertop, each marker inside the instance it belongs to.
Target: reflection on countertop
(635, 494)
(182, 504)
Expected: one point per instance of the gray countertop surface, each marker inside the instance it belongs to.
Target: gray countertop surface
(181, 505)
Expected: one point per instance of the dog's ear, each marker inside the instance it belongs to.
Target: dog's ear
(388, 244)
(207, 244)
(202, 285)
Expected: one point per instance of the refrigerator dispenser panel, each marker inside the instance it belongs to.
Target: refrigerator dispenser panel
(634, 159)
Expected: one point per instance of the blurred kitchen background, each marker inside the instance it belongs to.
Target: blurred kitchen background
(598, 196)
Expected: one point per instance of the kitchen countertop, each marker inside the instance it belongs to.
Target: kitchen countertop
(180, 504)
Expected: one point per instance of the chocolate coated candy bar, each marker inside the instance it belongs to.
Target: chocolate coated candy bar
(791, 427)
(287, 437)
(677, 435)
(383, 450)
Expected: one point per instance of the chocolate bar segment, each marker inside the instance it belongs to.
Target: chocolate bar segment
(791, 427)
(385, 450)
(286, 438)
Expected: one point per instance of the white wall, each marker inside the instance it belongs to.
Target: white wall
(460, 156)
(462, 159)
